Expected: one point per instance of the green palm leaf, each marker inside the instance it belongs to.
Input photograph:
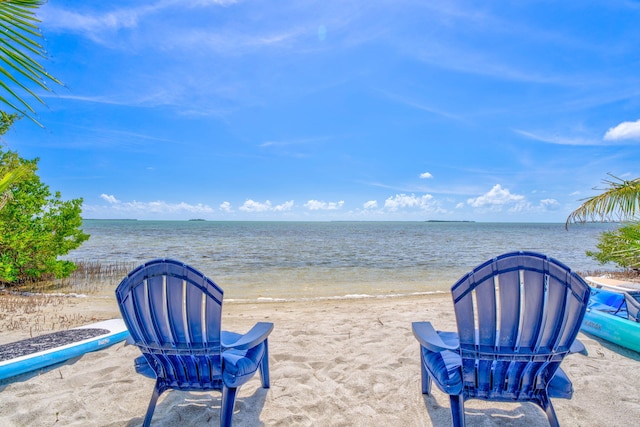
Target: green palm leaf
(19, 50)
(8, 179)
(620, 201)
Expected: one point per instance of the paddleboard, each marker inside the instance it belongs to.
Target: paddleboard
(613, 284)
(49, 349)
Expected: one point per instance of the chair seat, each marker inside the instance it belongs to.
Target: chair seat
(239, 365)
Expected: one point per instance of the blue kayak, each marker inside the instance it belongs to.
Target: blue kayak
(613, 315)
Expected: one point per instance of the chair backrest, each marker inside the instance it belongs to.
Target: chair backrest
(171, 309)
(517, 315)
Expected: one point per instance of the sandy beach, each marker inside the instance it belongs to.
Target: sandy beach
(333, 363)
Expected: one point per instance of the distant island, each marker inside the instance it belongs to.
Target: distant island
(197, 219)
(444, 220)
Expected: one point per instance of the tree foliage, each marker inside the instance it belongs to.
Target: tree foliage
(620, 246)
(36, 226)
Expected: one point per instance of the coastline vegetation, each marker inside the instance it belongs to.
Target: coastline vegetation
(89, 277)
(36, 226)
(38, 305)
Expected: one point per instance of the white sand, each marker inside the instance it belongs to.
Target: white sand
(333, 363)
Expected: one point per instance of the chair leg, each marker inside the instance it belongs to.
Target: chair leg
(547, 406)
(264, 367)
(457, 410)
(152, 406)
(228, 403)
(424, 376)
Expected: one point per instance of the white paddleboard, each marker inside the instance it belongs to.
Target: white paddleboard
(49, 349)
(613, 284)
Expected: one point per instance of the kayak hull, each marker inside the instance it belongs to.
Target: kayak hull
(623, 332)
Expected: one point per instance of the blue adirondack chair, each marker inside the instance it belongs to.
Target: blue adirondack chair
(517, 316)
(173, 314)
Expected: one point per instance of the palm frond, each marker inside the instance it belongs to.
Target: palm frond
(7, 180)
(19, 50)
(620, 201)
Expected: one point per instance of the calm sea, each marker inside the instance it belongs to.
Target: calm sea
(299, 260)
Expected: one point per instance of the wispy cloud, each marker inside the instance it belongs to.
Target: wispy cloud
(91, 24)
(292, 142)
(105, 100)
(233, 42)
(421, 106)
(558, 139)
(500, 56)
(229, 37)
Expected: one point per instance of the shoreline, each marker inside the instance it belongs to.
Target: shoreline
(333, 362)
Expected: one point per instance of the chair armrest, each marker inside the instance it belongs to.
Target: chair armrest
(255, 336)
(578, 347)
(429, 338)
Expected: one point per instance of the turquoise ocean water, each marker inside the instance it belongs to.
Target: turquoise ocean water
(300, 260)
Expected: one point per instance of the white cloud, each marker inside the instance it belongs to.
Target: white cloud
(286, 206)
(371, 204)
(253, 206)
(496, 197)
(549, 203)
(426, 175)
(404, 201)
(316, 205)
(109, 198)
(225, 206)
(625, 130)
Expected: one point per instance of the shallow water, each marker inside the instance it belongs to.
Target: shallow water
(296, 260)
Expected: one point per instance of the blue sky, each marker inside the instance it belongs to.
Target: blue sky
(337, 110)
